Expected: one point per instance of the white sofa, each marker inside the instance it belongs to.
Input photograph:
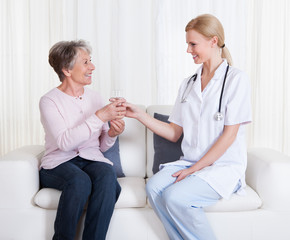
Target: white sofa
(27, 213)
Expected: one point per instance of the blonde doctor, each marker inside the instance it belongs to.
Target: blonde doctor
(211, 110)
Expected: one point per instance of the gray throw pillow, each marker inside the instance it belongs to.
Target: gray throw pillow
(113, 154)
(164, 150)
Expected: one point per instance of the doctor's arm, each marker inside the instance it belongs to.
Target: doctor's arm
(214, 153)
(170, 131)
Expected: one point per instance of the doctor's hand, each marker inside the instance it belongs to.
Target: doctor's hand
(132, 111)
(116, 127)
(180, 175)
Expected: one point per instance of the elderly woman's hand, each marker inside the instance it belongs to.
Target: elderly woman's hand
(112, 111)
(116, 127)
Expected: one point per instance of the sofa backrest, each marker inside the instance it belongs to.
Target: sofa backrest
(162, 109)
(133, 148)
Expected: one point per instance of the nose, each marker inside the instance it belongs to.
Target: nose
(92, 66)
(188, 50)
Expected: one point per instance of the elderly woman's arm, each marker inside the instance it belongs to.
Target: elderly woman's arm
(68, 139)
(109, 135)
(55, 126)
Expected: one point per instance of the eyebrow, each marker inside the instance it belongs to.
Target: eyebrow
(85, 59)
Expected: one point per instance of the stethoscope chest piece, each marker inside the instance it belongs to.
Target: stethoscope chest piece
(218, 116)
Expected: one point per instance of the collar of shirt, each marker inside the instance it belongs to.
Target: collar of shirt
(220, 71)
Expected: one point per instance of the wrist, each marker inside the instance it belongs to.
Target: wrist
(192, 169)
(141, 115)
(101, 115)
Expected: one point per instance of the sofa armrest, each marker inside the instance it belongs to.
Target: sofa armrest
(19, 176)
(268, 173)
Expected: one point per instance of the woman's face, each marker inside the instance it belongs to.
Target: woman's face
(198, 46)
(81, 73)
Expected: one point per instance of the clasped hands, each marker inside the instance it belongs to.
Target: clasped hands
(113, 113)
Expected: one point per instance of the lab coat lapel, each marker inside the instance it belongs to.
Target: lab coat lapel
(197, 85)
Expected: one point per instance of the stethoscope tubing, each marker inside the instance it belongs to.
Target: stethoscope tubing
(218, 115)
(222, 91)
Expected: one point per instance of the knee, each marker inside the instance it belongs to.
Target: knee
(106, 176)
(152, 187)
(172, 199)
(80, 184)
(106, 181)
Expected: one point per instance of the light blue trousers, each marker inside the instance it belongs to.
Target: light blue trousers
(180, 205)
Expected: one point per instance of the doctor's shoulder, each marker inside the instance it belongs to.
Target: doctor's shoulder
(238, 78)
(184, 83)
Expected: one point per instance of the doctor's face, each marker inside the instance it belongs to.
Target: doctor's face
(198, 46)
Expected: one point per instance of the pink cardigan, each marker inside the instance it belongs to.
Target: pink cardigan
(72, 128)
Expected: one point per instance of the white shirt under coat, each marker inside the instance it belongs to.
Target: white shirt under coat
(201, 130)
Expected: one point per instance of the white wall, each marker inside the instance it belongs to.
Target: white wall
(139, 46)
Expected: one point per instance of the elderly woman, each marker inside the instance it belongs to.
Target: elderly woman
(75, 122)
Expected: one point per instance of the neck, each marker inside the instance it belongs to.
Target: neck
(210, 66)
(71, 89)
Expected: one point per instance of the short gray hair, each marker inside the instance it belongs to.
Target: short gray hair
(63, 54)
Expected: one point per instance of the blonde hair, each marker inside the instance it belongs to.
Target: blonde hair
(209, 26)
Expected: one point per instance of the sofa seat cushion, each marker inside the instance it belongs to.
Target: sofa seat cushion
(132, 195)
(237, 203)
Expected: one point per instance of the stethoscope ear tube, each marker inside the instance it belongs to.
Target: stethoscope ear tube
(185, 93)
(219, 116)
(222, 91)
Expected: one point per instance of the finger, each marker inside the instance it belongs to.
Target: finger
(114, 126)
(120, 123)
(120, 101)
(117, 128)
(117, 123)
(119, 116)
(127, 104)
(179, 178)
(176, 174)
(120, 108)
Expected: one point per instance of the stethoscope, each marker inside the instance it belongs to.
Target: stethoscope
(218, 116)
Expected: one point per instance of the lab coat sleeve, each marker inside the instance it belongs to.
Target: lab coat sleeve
(238, 106)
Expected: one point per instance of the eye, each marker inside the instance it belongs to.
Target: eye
(192, 44)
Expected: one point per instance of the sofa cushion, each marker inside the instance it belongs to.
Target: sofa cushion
(133, 148)
(113, 154)
(161, 109)
(165, 151)
(237, 203)
(132, 195)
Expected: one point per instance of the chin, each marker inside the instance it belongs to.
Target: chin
(196, 61)
(89, 82)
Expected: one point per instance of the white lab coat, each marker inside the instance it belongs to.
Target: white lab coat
(201, 130)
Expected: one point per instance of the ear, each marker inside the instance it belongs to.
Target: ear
(66, 72)
(214, 41)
